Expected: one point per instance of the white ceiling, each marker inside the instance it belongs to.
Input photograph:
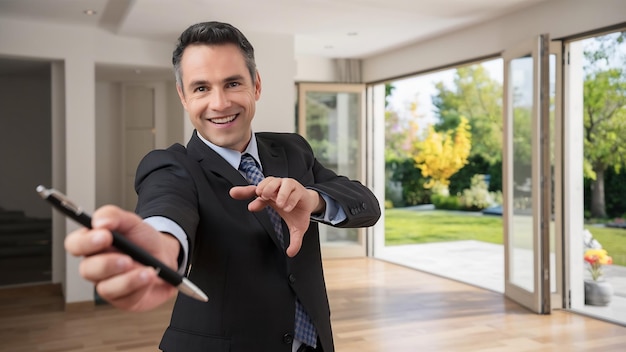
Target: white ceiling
(326, 28)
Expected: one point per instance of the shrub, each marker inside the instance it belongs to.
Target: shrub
(405, 178)
(445, 202)
(478, 196)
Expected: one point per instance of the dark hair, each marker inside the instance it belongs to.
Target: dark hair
(213, 33)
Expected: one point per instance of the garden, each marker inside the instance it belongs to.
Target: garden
(455, 162)
(407, 226)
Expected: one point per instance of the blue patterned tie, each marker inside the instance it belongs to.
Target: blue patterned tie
(304, 328)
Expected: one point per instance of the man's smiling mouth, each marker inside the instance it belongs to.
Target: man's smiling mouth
(223, 120)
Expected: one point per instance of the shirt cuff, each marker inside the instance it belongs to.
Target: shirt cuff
(334, 213)
(163, 224)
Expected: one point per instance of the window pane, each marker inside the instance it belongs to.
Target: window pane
(332, 129)
(521, 241)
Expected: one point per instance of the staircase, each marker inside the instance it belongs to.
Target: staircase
(25, 248)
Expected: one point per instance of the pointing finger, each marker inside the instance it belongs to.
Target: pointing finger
(242, 192)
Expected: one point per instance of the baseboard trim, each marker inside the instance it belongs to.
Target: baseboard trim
(31, 290)
(83, 306)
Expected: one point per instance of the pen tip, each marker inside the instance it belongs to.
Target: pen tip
(187, 287)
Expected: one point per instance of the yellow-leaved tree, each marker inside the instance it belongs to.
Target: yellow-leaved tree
(441, 154)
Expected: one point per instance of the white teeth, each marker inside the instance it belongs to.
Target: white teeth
(223, 120)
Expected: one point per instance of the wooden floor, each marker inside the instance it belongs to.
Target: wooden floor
(376, 306)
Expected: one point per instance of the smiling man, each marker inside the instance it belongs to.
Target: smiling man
(218, 93)
(233, 210)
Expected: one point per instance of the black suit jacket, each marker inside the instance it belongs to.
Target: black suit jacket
(235, 255)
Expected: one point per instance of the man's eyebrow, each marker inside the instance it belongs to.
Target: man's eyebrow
(198, 83)
(233, 78)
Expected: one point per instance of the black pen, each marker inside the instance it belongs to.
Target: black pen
(60, 202)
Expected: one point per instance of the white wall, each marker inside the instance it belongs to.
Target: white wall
(108, 143)
(175, 116)
(110, 155)
(80, 155)
(558, 18)
(315, 69)
(276, 64)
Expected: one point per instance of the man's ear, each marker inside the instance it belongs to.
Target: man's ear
(257, 86)
(181, 95)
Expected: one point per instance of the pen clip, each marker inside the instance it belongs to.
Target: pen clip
(61, 198)
(67, 203)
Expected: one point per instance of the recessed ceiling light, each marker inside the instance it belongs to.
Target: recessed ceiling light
(352, 34)
(90, 12)
(328, 47)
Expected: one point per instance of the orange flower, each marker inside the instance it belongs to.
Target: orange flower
(595, 258)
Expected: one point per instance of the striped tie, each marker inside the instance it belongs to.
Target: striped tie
(304, 328)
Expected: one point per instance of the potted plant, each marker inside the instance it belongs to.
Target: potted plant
(598, 291)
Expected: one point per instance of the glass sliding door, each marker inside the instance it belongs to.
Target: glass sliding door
(591, 121)
(527, 171)
(332, 117)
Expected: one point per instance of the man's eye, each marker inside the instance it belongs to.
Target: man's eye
(233, 84)
(201, 89)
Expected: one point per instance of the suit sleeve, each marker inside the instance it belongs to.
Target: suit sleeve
(360, 205)
(165, 188)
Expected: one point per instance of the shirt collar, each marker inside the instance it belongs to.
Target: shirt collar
(233, 157)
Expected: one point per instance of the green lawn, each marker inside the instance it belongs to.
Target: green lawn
(613, 240)
(408, 226)
(404, 226)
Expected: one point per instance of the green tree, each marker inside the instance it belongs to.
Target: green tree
(522, 146)
(396, 136)
(604, 131)
(478, 97)
(389, 88)
(403, 181)
(317, 128)
(400, 133)
(604, 97)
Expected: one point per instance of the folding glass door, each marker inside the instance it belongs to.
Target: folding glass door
(531, 149)
(331, 117)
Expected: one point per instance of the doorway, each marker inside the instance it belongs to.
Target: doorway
(26, 159)
(458, 235)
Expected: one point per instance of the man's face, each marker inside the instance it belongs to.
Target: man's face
(218, 93)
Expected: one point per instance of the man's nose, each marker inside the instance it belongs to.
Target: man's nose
(219, 100)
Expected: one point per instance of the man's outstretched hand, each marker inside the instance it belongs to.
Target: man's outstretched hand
(119, 280)
(293, 202)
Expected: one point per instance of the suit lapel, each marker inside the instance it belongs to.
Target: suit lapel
(272, 157)
(213, 163)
